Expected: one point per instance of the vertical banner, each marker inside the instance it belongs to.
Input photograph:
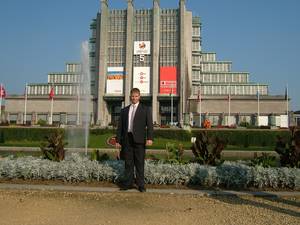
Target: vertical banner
(168, 80)
(141, 79)
(114, 80)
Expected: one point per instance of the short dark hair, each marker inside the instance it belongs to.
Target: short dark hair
(135, 90)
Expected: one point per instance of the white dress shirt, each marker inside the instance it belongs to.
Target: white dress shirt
(131, 113)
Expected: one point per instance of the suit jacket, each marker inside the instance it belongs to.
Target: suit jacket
(142, 125)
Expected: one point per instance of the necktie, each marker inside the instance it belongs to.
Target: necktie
(132, 117)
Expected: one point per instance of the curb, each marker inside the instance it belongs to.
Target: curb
(204, 193)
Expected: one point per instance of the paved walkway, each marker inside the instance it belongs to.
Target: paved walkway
(226, 154)
(70, 188)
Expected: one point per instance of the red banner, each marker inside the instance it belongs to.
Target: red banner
(168, 80)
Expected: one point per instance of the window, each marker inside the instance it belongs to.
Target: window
(196, 31)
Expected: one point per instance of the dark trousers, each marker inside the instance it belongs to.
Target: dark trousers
(134, 154)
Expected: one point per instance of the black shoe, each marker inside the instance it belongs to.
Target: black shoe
(142, 189)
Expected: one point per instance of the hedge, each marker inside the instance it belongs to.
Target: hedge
(77, 168)
(249, 137)
(30, 134)
(235, 137)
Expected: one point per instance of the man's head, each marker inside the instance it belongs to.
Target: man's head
(135, 95)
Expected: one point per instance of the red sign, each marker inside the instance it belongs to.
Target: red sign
(168, 80)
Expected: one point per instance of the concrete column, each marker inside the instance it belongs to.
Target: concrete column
(182, 69)
(155, 60)
(129, 51)
(102, 68)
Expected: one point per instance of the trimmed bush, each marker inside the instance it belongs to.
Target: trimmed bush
(102, 131)
(76, 168)
(176, 134)
(29, 134)
(247, 137)
(234, 137)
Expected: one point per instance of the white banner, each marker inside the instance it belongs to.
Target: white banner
(284, 121)
(263, 121)
(141, 79)
(142, 48)
(114, 80)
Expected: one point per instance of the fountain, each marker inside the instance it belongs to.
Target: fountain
(86, 92)
(78, 136)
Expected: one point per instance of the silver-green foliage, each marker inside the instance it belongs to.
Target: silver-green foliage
(77, 168)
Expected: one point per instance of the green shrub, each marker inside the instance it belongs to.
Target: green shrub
(289, 149)
(96, 156)
(2, 140)
(207, 150)
(174, 154)
(42, 122)
(54, 148)
(265, 160)
(244, 124)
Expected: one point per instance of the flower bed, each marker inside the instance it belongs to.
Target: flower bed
(76, 168)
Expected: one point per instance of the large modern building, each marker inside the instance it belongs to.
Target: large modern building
(160, 52)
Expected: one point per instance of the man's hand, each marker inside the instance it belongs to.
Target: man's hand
(149, 142)
(118, 146)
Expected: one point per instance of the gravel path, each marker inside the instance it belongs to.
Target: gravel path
(64, 208)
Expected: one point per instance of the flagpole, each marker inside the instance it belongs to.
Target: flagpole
(51, 106)
(1, 86)
(258, 110)
(171, 106)
(287, 103)
(51, 112)
(25, 105)
(229, 105)
(200, 106)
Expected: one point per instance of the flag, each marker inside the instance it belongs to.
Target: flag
(228, 97)
(199, 96)
(25, 90)
(51, 94)
(286, 93)
(2, 92)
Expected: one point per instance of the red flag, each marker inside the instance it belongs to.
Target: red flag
(51, 94)
(228, 98)
(199, 96)
(2, 92)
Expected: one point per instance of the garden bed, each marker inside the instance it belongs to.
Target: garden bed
(79, 169)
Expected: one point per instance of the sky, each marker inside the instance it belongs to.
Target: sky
(259, 36)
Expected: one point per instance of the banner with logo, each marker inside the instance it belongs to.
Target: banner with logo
(114, 80)
(168, 80)
(141, 79)
(142, 48)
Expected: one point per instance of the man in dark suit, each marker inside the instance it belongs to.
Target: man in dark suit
(135, 131)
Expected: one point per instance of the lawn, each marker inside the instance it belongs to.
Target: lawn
(100, 141)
